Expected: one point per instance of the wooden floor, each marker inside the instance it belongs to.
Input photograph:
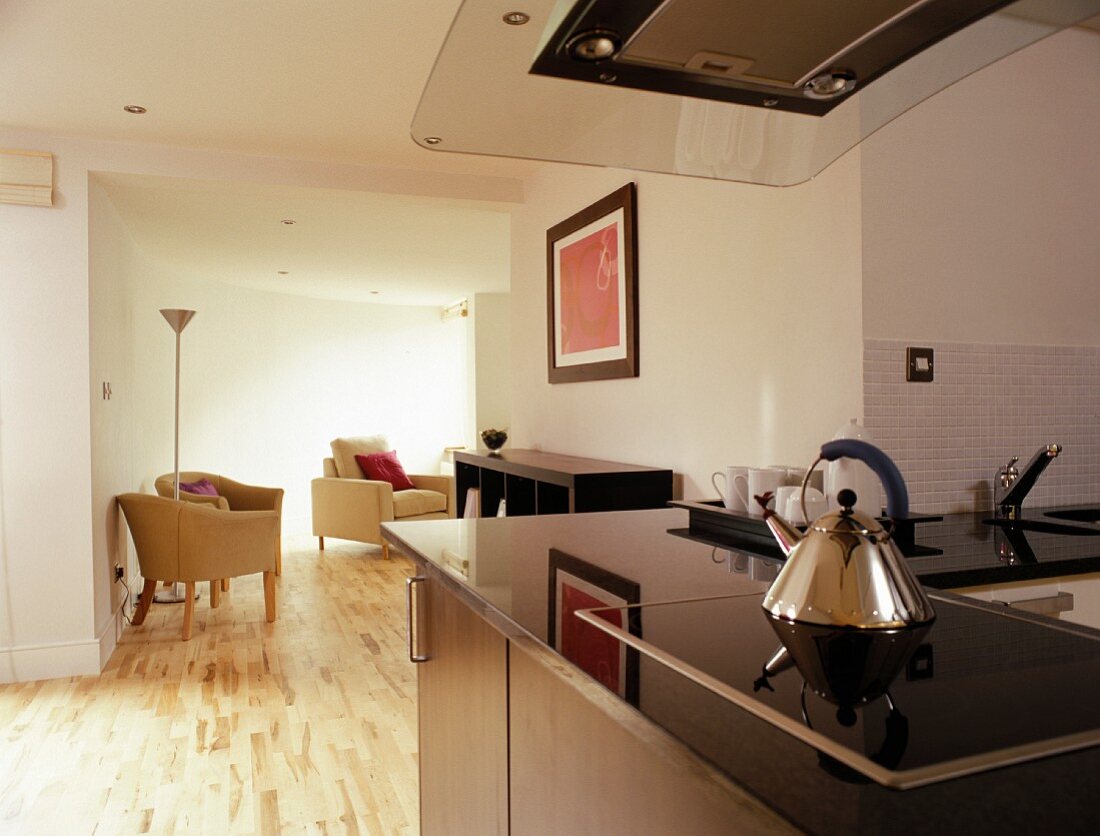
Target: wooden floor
(307, 725)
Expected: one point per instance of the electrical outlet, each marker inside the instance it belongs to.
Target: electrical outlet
(120, 573)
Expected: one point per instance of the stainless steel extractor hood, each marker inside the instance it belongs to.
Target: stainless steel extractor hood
(760, 91)
(801, 55)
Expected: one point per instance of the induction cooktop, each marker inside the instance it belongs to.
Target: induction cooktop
(975, 691)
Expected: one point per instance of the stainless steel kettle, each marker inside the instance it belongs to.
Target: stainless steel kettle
(846, 571)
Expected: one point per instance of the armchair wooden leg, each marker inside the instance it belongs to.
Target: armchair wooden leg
(215, 594)
(188, 609)
(269, 595)
(321, 542)
(147, 593)
(225, 584)
(385, 550)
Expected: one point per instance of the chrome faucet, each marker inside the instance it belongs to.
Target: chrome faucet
(1011, 486)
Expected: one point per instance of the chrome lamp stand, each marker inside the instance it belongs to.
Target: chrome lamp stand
(177, 318)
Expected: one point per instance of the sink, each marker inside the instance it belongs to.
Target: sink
(1087, 515)
(1050, 527)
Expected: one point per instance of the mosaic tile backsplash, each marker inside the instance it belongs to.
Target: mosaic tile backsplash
(986, 404)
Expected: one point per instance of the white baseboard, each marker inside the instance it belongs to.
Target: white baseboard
(50, 661)
(108, 638)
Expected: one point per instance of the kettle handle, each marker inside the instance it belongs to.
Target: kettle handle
(897, 497)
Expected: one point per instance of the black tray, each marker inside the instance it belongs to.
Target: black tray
(711, 520)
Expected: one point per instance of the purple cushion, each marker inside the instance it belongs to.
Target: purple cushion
(384, 467)
(203, 486)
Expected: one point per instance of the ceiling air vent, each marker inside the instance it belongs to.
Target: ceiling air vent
(26, 177)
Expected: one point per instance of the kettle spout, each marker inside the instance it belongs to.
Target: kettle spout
(785, 534)
(780, 661)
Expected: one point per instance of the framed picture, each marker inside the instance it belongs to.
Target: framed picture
(592, 292)
(578, 585)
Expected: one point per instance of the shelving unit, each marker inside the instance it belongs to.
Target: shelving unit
(534, 482)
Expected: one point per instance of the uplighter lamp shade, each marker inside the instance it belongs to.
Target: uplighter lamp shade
(177, 317)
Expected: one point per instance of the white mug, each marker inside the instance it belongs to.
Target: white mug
(735, 496)
(795, 475)
(791, 475)
(816, 505)
(783, 496)
(763, 480)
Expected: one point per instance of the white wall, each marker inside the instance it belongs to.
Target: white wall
(750, 323)
(489, 360)
(268, 380)
(46, 580)
(110, 256)
(980, 205)
(51, 574)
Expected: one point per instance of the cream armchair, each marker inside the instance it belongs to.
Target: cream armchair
(349, 506)
(232, 496)
(179, 540)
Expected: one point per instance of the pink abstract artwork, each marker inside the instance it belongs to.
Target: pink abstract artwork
(589, 282)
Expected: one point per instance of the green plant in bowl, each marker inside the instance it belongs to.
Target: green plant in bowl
(494, 439)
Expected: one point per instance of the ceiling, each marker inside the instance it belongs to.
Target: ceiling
(346, 245)
(334, 81)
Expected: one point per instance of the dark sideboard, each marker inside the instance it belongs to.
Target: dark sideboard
(534, 482)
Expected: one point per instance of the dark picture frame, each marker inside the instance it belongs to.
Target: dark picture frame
(592, 291)
(576, 584)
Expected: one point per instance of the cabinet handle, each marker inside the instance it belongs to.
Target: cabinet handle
(413, 655)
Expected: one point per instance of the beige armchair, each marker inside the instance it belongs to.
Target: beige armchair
(349, 506)
(232, 496)
(179, 540)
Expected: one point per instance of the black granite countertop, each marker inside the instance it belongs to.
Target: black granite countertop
(957, 550)
(506, 564)
(979, 550)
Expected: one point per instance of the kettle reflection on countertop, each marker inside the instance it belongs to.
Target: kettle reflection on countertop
(851, 669)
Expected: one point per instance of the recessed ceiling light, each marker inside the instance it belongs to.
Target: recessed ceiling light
(433, 140)
(516, 18)
(134, 109)
(375, 292)
(287, 221)
(283, 272)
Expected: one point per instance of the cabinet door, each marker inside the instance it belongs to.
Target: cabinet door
(463, 718)
(584, 762)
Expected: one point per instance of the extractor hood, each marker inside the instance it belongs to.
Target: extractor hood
(760, 91)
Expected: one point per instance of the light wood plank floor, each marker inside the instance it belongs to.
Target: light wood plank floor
(307, 725)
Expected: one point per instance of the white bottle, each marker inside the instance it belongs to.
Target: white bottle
(854, 475)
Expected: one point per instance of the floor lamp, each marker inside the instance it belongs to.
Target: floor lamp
(177, 319)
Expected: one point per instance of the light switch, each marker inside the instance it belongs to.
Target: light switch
(919, 365)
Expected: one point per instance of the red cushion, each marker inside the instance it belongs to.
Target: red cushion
(384, 467)
(203, 486)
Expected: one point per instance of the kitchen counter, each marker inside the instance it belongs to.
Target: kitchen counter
(962, 550)
(502, 566)
(975, 552)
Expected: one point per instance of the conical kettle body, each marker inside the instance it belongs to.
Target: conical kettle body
(846, 571)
